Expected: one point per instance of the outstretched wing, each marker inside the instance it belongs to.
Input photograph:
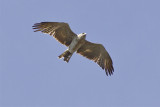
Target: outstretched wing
(60, 31)
(98, 54)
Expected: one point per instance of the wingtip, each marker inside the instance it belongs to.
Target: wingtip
(109, 72)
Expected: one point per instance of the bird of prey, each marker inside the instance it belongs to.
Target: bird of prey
(76, 43)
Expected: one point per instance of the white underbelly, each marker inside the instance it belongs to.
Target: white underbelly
(75, 45)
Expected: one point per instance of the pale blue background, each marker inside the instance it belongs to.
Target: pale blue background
(31, 75)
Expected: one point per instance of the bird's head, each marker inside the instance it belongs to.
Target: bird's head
(82, 35)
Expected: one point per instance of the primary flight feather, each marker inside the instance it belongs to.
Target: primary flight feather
(77, 43)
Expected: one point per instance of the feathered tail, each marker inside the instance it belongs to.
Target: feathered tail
(67, 55)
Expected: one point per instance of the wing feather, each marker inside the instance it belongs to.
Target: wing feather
(98, 54)
(60, 31)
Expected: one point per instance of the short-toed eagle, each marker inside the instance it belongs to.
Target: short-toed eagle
(76, 43)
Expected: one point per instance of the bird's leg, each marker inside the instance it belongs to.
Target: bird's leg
(67, 55)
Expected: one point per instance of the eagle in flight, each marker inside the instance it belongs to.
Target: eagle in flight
(76, 43)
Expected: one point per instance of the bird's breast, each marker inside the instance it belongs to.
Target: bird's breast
(76, 44)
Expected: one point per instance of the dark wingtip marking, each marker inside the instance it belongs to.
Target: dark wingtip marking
(36, 26)
(109, 71)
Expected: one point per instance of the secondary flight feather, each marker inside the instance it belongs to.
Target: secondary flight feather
(76, 43)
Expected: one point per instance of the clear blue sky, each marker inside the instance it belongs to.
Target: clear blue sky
(31, 75)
